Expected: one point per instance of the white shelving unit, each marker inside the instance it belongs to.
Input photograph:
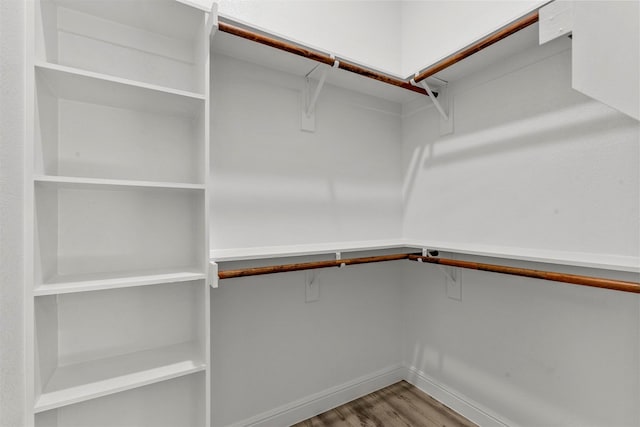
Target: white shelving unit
(117, 172)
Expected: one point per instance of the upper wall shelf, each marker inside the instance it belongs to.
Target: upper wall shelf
(250, 51)
(250, 44)
(154, 42)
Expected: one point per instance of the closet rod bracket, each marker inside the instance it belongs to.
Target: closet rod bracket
(308, 118)
(434, 99)
(429, 253)
(338, 258)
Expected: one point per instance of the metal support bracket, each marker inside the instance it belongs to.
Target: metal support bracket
(338, 258)
(450, 273)
(435, 101)
(308, 122)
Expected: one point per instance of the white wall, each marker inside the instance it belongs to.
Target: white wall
(367, 32)
(531, 164)
(11, 181)
(527, 352)
(606, 57)
(273, 184)
(270, 348)
(434, 29)
(396, 36)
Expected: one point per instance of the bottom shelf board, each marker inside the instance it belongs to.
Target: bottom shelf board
(83, 381)
(98, 281)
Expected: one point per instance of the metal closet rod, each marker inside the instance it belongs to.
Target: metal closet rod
(597, 282)
(324, 58)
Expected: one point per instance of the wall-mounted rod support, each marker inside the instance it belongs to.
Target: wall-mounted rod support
(477, 46)
(434, 98)
(311, 101)
(597, 282)
(229, 274)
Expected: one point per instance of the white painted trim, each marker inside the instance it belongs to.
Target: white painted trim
(251, 253)
(578, 259)
(461, 404)
(566, 258)
(323, 401)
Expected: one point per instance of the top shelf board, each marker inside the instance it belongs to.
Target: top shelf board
(249, 51)
(170, 18)
(520, 41)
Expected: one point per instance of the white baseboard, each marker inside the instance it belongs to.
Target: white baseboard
(466, 407)
(325, 400)
(318, 403)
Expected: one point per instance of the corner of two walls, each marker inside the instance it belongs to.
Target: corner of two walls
(275, 356)
(531, 163)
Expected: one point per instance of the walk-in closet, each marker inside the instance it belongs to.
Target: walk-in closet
(229, 213)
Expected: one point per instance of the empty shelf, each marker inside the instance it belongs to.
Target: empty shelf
(96, 88)
(70, 181)
(98, 281)
(83, 381)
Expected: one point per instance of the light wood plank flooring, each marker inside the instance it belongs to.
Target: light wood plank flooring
(399, 405)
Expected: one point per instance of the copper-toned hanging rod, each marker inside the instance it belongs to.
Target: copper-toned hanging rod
(617, 285)
(483, 43)
(229, 274)
(322, 57)
(316, 56)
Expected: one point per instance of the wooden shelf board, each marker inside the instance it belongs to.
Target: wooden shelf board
(75, 182)
(86, 86)
(239, 254)
(84, 381)
(96, 282)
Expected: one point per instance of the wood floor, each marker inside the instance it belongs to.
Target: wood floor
(399, 405)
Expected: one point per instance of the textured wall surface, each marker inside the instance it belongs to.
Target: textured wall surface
(11, 143)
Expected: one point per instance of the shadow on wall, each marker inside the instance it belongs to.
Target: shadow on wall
(476, 382)
(587, 118)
